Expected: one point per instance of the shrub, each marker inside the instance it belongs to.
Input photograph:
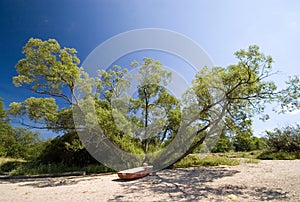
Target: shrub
(281, 155)
(223, 145)
(8, 164)
(66, 150)
(285, 139)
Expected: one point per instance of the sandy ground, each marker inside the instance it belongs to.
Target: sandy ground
(266, 181)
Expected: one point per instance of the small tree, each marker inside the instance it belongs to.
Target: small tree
(30, 144)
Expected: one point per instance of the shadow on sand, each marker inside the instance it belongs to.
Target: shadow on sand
(193, 185)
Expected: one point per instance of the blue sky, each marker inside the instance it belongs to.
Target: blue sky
(219, 27)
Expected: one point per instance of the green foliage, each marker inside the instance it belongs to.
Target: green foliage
(18, 142)
(15, 167)
(243, 142)
(286, 139)
(129, 144)
(9, 164)
(66, 150)
(34, 168)
(241, 91)
(289, 97)
(4, 119)
(195, 161)
(142, 125)
(154, 115)
(250, 161)
(8, 142)
(247, 155)
(282, 144)
(112, 82)
(29, 143)
(223, 145)
(9, 146)
(46, 68)
(151, 101)
(96, 168)
(279, 155)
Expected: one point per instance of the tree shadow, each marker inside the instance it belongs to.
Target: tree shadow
(49, 181)
(193, 185)
(42, 182)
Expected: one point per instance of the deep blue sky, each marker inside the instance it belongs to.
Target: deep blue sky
(219, 27)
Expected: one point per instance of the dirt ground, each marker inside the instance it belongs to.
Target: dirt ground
(266, 181)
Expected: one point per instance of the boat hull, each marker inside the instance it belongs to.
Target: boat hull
(135, 173)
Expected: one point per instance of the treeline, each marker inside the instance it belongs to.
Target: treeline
(280, 143)
(239, 143)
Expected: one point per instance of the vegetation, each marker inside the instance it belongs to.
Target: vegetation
(18, 142)
(8, 164)
(66, 150)
(149, 121)
(283, 143)
(15, 167)
(8, 140)
(196, 160)
(239, 143)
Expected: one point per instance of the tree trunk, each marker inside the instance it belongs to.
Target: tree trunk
(146, 121)
(189, 151)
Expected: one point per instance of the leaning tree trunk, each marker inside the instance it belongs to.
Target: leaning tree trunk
(189, 151)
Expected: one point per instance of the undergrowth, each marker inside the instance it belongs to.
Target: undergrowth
(195, 161)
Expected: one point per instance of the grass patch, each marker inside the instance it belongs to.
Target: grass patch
(271, 155)
(33, 168)
(194, 160)
(250, 161)
(94, 169)
(248, 155)
(15, 167)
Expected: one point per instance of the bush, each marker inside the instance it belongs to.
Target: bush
(66, 150)
(284, 140)
(223, 145)
(8, 164)
(281, 155)
(243, 143)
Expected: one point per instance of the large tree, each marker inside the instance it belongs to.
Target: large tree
(50, 71)
(148, 116)
(244, 91)
(231, 95)
(153, 109)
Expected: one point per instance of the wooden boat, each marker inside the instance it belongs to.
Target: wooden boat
(135, 173)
